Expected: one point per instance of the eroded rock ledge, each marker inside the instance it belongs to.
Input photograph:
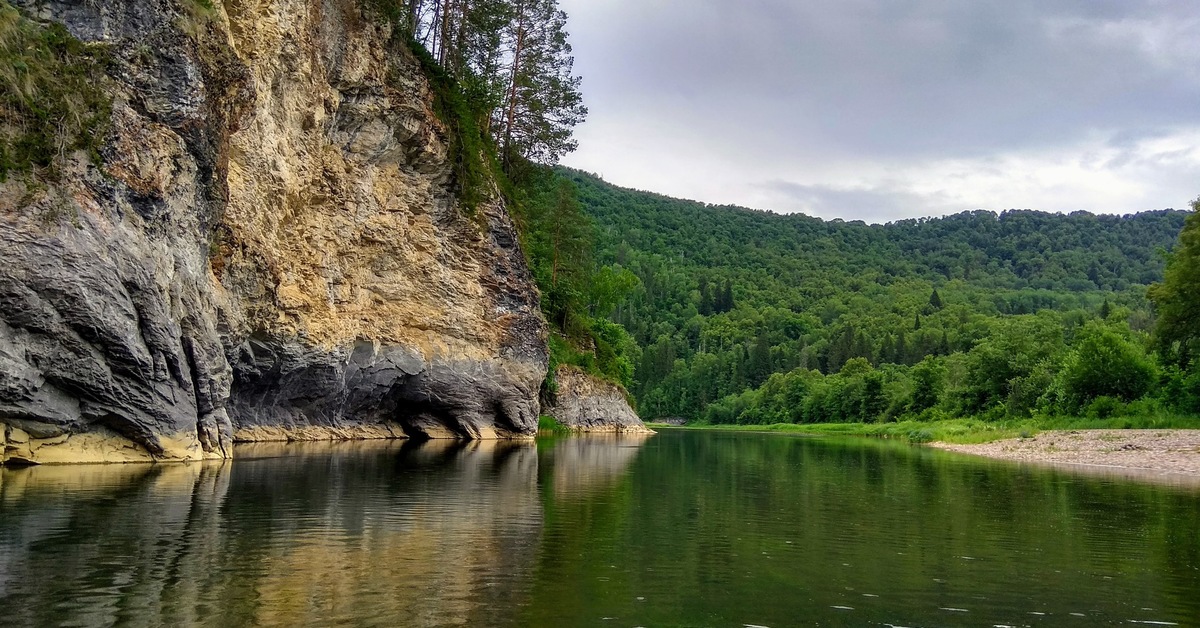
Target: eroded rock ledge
(587, 404)
(271, 249)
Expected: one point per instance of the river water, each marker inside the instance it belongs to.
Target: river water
(679, 529)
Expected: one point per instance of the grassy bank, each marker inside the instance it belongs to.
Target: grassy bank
(550, 425)
(963, 431)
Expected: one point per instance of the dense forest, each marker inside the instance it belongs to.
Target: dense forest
(742, 316)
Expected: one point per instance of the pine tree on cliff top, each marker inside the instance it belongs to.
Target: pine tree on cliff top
(543, 102)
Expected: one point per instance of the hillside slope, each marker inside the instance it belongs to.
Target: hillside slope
(729, 296)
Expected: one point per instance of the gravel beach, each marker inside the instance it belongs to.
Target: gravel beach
(1173, 452)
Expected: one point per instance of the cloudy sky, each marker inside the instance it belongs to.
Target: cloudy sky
(884, 109)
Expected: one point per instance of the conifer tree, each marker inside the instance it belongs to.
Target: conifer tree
(760, 361)
(935, 300)
(543, 102)
(513, 61)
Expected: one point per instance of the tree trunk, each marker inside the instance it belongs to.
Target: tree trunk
(446, 30)
(518, 51)
(414, 12)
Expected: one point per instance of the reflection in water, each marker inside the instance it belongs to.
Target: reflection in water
(722, 529)
(590, 462)
(682, 529)
(363, 534)
(99, 544)
(1106, 472)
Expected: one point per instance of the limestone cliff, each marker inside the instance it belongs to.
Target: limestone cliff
(270, 247)
(585, 403)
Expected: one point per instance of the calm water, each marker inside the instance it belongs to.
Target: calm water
(682, 529)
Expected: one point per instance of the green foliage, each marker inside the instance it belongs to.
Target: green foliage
(464, 112)
(935, 301)
(1104, 367)
(754, 318)
(503, 75)
(928, 381)
(608, 288)
(557, 237)
(542, 103)
(547, 423)
(920, 436)
(616, 352)
(52, 101)
(1009, 370)
(968, 431)
(1180, 389)
(1177, 298)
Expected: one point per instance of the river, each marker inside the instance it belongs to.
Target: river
(679, 529)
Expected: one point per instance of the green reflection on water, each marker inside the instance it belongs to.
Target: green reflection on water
(684, 528)
(734, 529)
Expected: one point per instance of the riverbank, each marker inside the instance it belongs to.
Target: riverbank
(1145, 445)
(959, 431)
(1161, 451)
(953, 431)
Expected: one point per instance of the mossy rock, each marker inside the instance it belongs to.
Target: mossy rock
(52, 97)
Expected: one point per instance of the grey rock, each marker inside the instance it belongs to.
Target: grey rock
(588, 404)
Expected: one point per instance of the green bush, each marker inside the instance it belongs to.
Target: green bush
(920, 436)
(547, 423)
(1104, 363)
(1179, 389)
(1103, 408)
(928, 380)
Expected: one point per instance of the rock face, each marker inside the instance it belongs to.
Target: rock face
(586, 404)
(271, 249)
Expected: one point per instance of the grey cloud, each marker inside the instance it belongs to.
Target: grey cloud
(919, 77)
(764, 88)
(875, 204)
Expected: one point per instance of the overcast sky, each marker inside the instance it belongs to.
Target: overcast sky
(885, 109)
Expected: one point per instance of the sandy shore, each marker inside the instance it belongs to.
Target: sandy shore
(1142, 452)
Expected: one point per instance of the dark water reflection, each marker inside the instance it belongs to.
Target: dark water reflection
(684, 528)
(356, 534)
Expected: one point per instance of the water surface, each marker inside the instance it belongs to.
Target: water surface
(681, 529)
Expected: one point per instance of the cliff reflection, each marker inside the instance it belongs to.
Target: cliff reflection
(589, 463)
(358, 533)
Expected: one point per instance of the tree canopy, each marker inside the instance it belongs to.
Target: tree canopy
(1177, 298)
(512, 62)
(747, 316)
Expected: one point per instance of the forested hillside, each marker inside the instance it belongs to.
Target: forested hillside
(752, 317)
